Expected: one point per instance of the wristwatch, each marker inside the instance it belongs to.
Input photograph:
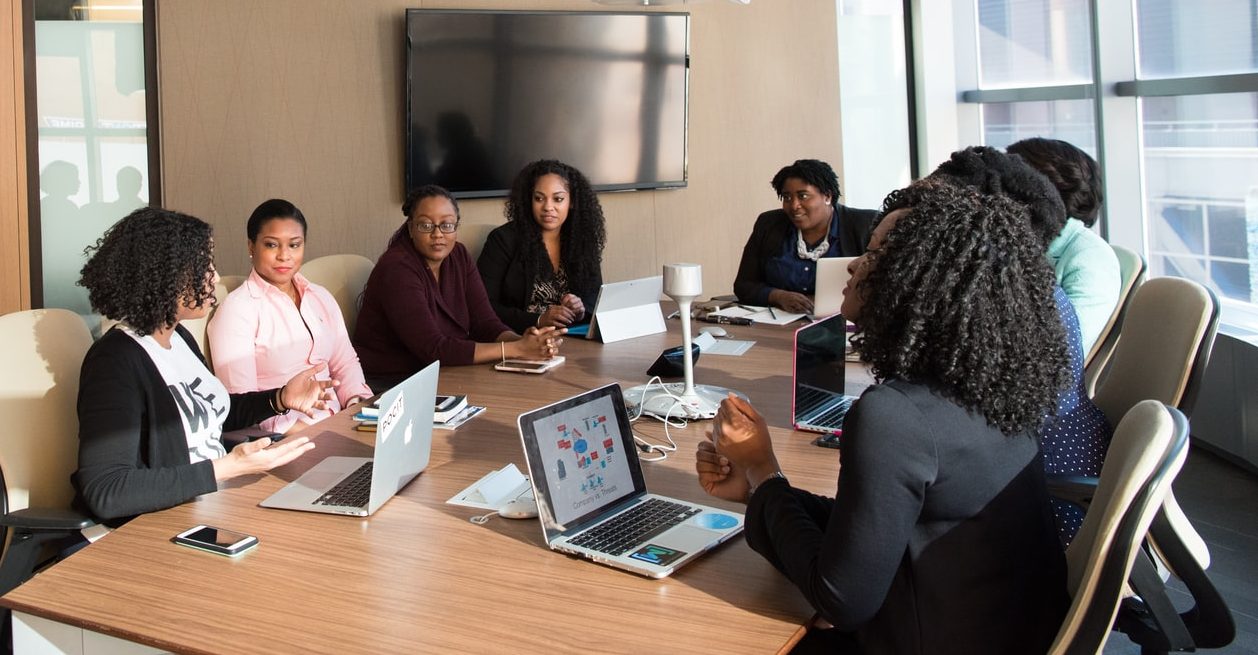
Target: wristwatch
(775, 475)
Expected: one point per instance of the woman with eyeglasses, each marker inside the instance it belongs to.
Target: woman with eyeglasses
(278, 323)
(543, 267)
(425, 301)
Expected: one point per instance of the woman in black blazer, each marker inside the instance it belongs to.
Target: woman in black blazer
(544, 267)
(151, 415)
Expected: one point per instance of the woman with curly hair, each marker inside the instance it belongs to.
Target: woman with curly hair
(543, 268)
(151, 416)
(940, 537)
(779, 262)
(277, 322)
(1076, 438)
(425, 302)
(1086, 266)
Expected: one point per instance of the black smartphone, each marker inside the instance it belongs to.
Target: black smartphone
(827, 441)
(216, 540)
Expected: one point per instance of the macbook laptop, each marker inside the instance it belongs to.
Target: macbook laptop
(591, 497)
(625, 310)
(832, 276)
(818, 403)
(358, 486)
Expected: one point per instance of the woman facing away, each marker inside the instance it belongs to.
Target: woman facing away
(779, 262)
(1086, 266)
(425, 302)
(1076, 437)
(543, 268)
(151, 416)
(939, 537)
(278, 323)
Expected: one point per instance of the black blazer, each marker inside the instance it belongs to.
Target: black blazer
(773, 227)
(501, 266)
(133, 454)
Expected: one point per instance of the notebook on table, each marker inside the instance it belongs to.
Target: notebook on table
(591, 497)
(818, 403)
(832, 277)
(358, 486)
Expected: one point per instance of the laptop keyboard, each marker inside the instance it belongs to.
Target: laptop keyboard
(628, 529)
(353, 491)
(809, 400)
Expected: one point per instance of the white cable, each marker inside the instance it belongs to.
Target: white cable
(660, 449)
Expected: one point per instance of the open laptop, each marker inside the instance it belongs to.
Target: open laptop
(832, 276)
(358, 486)
(625, 310)
(591, 497)
(818, 403)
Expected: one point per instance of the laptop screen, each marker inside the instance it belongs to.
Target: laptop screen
(581, 455)
(819, 363)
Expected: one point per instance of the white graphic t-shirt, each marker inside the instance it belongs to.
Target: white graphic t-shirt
(202, 400)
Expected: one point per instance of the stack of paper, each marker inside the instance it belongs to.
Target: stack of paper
(769, 315)
(450, 413)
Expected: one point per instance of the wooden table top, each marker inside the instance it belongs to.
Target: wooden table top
(418, 576)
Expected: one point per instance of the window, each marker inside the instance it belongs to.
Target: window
(1165, 96)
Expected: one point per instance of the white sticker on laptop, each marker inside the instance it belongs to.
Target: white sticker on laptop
(389, 419)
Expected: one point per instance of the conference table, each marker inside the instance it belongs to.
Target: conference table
(418, 576)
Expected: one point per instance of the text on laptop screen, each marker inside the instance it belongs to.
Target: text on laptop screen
(583, 452)
(819, 355)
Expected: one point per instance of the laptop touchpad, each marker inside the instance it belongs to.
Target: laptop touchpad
(319, 480)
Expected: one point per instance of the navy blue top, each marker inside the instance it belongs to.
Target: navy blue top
(1075, 440)
(786, 270)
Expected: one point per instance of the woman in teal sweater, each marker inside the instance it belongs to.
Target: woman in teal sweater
(1086, 267)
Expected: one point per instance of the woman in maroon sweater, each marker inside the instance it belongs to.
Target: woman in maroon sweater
(425, 302)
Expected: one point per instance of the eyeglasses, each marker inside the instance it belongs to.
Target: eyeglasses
(427, 228)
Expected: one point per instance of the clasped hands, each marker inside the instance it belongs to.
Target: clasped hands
(569, 310)
(738, 454)
(541, 343)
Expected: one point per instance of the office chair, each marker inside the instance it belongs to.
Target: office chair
(1148, 450)
(1167, 336)
(1131, 267)
(43, 350)
(344, 276)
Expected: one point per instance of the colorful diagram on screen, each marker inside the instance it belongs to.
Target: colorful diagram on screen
(589, 446)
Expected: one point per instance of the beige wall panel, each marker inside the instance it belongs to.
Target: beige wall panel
(303, 99)
(14, 248)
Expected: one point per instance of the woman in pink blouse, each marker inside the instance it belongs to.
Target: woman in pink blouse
(278, 323)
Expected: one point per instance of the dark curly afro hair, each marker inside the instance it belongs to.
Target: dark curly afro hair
(994, 173)
(811, 171)
(582, 236)
(961, 298)
(146, 265)
(1074, 172)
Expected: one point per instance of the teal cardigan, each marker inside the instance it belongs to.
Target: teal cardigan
(1087, 270)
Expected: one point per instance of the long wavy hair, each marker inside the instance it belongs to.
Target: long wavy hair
(146, 264)
(582, 236)
(960, 296)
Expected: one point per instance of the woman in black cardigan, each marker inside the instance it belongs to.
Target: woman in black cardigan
(151, 415)
(544, 267)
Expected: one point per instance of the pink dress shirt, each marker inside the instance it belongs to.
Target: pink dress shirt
(259, 340)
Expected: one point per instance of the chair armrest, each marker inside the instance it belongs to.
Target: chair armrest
(1075, 489)
(36, 519)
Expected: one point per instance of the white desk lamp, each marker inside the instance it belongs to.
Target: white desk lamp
(683, 283)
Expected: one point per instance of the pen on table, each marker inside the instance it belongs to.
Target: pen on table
(773, 314)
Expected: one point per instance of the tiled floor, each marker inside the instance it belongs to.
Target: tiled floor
(1221, 500)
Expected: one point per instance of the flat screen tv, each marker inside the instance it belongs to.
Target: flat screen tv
(488, 92)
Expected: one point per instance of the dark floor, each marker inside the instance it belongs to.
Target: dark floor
(1221, 500)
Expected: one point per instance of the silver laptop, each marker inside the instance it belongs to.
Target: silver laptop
(832, 276)
(592, 500)
(818, 403)
(625, 310)
(358, 486)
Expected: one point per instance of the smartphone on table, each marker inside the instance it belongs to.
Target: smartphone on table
(529, 365)
(216, 540)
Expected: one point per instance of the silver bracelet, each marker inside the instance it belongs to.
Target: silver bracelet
(775, 475)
